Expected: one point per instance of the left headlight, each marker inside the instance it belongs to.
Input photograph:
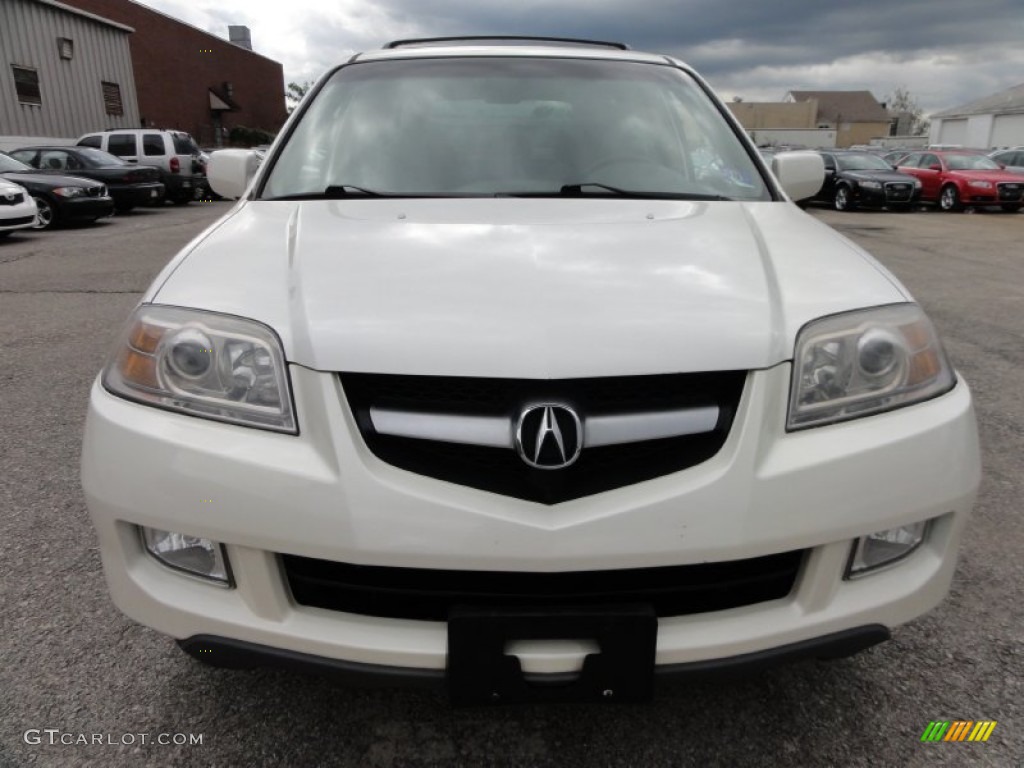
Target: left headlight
(871, 184)
(204, 364)
(864, 362)
(69, 191)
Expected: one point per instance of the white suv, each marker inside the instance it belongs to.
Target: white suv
(513, 366)
(173, 152)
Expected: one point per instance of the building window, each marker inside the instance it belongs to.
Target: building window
(112, 99)
(26, 83)
(66, 47)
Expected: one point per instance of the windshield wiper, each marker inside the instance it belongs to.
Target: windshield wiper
(577, 189)
(350, 190)
(599, 189)
(333, 192)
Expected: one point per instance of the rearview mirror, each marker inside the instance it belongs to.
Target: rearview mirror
(230, 171)
(800, 174)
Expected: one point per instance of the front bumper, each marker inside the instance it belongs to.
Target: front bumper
(323, 495)
(877, 198)
(17, 215)
(87, 207)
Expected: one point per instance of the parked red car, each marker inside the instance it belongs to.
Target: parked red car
(956, 178)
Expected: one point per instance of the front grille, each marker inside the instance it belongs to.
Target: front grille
(1010, 192)
(17, 199)
(100, 191)
(17, 221)
(500, 470)
(898, 192)
(429, 595)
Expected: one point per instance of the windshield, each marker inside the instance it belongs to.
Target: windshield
(8, 163)
(862, 162)
(95, 157)
(474, 126)
(971, 163)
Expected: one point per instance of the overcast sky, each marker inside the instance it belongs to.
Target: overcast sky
(946, 52)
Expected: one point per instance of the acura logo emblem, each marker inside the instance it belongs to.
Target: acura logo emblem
(549, 436)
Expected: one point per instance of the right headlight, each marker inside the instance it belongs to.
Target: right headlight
(864, 362)
(204, 364)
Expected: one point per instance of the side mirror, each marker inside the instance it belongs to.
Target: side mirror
(230, 171)
(800, 174)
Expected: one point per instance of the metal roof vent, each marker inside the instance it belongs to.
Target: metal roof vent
(240, 36)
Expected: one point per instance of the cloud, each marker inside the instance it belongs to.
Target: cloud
(945, 51)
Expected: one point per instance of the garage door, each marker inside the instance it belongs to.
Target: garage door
(1008, 131)
(953, 132)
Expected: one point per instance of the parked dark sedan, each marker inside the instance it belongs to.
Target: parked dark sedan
(129, 184)
(855, 179)
(58, 197)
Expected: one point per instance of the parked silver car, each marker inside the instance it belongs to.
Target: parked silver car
(1010, 159)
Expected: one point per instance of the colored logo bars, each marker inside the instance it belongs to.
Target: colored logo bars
(958, 730)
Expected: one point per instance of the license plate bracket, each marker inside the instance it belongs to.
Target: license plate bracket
(480, 672)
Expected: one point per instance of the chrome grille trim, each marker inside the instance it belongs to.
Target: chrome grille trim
(497, 432)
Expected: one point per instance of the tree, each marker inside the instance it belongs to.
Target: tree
(296, 92)
(901, 102)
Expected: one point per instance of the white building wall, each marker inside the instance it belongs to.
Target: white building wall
(71, 89)
(1008, 131)
(979, 131)
(807, 137)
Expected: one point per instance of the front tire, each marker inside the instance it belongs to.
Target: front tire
(46, 214)
(843, 200)
(949, 199)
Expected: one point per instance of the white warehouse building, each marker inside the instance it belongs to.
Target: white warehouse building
(991, 122)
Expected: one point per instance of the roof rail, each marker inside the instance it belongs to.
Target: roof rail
(523, 39)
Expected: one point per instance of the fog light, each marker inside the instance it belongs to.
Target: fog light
(884, 547)
(200, 557)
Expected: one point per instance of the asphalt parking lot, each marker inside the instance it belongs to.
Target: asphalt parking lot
(72, 664)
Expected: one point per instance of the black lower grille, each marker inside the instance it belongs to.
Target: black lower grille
(16, 199)
(898, 192)
(1010, 192)
(17, 221)
(500, 470)
(429, 595)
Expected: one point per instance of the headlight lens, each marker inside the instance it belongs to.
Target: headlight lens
(980, 184)
(858, 363)
(917, 183)
(871, 184)
(69, 191)
(204, 364)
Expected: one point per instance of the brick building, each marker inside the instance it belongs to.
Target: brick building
(193, 81)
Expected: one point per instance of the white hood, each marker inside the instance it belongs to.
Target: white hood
(526, 288)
